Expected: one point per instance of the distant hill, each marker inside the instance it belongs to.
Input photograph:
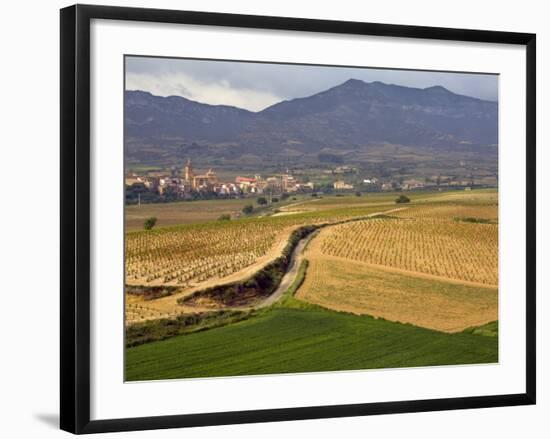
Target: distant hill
(351, 115)
(155, 117)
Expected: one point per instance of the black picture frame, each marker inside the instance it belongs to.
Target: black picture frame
(75, 217)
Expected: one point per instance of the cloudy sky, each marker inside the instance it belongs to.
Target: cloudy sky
(255, 86)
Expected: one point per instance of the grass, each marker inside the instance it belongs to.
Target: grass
(290, 340)
(488, 330)
(160, 329)
(190, 212)
(288, 296)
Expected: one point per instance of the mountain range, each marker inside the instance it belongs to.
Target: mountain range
(352, 115)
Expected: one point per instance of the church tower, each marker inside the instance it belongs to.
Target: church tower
(188, 171)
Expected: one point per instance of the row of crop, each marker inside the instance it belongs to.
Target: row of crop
(465, 251)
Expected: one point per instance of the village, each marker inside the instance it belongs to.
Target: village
(188, 184)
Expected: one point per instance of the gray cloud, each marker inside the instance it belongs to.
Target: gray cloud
(257, 85)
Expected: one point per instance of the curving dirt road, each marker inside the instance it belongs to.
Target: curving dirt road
(295, 260)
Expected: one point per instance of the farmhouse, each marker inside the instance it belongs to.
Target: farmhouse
(412, 184)
(340, 184)
(373, 180)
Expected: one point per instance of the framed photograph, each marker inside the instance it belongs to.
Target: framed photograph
(267, 219)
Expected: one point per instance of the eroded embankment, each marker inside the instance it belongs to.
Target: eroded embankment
(151, 292)
(255, 288)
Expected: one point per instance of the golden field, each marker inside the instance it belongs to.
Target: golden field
(355, 287)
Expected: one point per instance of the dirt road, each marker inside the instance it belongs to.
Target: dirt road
(295, 260)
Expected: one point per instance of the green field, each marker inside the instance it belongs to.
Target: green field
(284, 340)
(182, 212)
(190, 212)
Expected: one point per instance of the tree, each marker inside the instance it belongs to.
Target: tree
(274, 200)
(248, 209)
(402, 199)
(224, 217)
(261, 201)
(149, 223)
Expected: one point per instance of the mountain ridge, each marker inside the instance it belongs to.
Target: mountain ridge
(350, 115)
(351, 80)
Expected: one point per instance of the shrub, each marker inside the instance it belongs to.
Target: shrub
(248, 209)
(151, 293)
(160, 329)
(224, 217)
(472, 220)
(261, 201)
(149, 223)
(402, 199)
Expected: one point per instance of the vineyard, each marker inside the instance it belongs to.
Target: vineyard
(455, 250)
(449, 211)
(181, 256)
(190, 254)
